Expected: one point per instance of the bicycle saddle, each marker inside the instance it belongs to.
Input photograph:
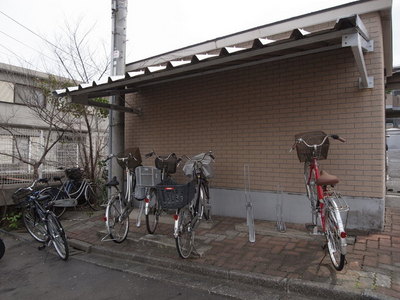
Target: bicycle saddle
(112, 182)
(327, 179)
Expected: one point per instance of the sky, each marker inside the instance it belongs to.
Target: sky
(29, 29)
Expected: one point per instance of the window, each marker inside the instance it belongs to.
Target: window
(6, 147)
(6, 91)
(28, 95)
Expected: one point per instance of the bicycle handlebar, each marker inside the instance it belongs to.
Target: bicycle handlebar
(300, 140)
(123, 159)
(209, 153)
(148, 155)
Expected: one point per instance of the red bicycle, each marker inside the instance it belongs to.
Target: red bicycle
(329, 210)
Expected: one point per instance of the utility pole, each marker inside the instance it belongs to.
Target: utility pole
(119, 11)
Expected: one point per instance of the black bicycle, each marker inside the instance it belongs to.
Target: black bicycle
(2, 248)
(40, 221)
(167, 166)
(191, 201)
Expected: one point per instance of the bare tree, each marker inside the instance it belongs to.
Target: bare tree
(82, 63)
(78, 63)
(32, 92)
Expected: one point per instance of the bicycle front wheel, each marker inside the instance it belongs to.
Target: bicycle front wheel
(185, 238)
(116, 226)
(34, 224)
(3, 206)
(152, 213)
(205, 202)
(311, 189)
(2, 248)
(57, 236)
(336, 244)
(91, 196)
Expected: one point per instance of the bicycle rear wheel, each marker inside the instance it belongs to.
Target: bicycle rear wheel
(34, 224)
(333, 232)
(153, 212)
(185, 239)
(57, 236)
(116, 226)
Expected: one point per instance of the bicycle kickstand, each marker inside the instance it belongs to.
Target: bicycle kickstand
(324, 247)
(195, 252)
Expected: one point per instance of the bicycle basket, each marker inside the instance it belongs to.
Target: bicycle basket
(305, 153)
(74, 173)
(20, 194)
(147, 176)
(206, 163)
(134, 160)
(175, 196)
(169, 165)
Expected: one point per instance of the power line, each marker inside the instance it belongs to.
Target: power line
(26, 45)
(16, 55)
(31, 31)
(44, 39)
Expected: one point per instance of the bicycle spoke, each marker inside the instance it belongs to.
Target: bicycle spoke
(116, 226)
(57, 236)
(185, 238)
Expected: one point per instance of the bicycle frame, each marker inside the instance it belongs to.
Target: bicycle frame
(66, 198)
(194, 204)
(320, 193)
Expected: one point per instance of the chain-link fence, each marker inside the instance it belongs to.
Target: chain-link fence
(21, 145)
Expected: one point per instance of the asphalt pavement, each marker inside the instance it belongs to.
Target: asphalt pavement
(279, 265)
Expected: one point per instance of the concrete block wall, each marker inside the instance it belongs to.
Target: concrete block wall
(250, 116)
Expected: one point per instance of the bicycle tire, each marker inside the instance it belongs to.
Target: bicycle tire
(335, 243)
(3, 206)
(34, 224)
(91, 196)
(204, 199)
(311, 190)
(2, 248)
(57, 236)
(185, 239)
(117, 229)
(55, 194)
(153, 212)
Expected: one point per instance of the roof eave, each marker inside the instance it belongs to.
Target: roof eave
(310, 19)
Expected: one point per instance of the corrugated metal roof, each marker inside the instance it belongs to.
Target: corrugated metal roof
(259, 50)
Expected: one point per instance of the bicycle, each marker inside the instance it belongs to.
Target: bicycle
(70, 191)
(119, 207)
(2, 248)
(191, 201)
(167, 166)
(326, 204)
(41, 223)
(3, 204)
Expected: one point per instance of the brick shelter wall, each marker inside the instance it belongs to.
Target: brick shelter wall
(250, 116)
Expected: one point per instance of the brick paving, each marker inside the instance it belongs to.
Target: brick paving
(373, 261)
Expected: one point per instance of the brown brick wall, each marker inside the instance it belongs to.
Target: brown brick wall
(250, 116)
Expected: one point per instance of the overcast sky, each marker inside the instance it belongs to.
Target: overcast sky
(154, 26)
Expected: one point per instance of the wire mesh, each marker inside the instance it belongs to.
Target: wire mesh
(21, 145)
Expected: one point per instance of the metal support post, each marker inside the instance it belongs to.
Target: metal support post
(117, 118)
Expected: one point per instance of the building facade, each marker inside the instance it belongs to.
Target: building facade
(246, 95)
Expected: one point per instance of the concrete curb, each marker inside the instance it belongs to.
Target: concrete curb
(302, 287)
